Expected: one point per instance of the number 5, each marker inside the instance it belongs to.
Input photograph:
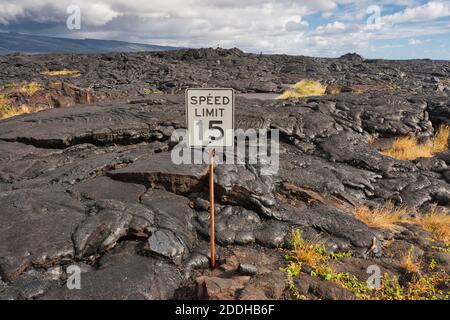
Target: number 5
(216, 125)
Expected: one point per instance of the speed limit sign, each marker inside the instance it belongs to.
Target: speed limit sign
(210, 117)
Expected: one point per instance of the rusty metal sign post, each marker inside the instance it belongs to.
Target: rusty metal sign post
(212, 206)
(210, 124)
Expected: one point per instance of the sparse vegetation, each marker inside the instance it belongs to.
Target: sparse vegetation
(432, 265)
(304, 88)
(7, 106)
(292, 271)
(371, 139)
(344, 279)
(7, 110)
(63, 72)
(152, 91)
(333, 89)
(437, 223)
(10, 85)
(440, 139)
(314, 255)
(385, 217)
(30, 88)
(309, 252)
(424, 287)
(445, 249)
(408, 148)
(409, 264)
(306, 252)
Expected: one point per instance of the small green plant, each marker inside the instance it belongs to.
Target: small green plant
(312, 254)
(445, 248)
(292, 271)
(345, 279)
(432, 265)
(390, 289)
(324, 272)
(340, 255)
(4, 97)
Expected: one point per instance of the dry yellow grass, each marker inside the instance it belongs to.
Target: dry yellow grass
(30, 88)
(304, 88)
(305, 251)
(408, 263)
(64, 72)
(5, 106)
(152, 91)
(333, 89)
(437, 223)
(8, 108)
(385, 217)
(408, 148)
(7, 111)
(371, 139)
(440, 139)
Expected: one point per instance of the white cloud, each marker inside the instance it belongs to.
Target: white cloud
(9, 12)
(331, 28)
(98, 14)
(298, 25)
(94, 13)
(414, 42)
(391, 46)
(278, 26)
(429, 11)
(252, 25)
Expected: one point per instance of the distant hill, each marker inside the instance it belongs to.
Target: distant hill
(32, 44)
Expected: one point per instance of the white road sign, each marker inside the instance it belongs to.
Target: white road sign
(210, 117)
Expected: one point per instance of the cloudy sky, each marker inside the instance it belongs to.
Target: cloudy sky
(385, 28)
